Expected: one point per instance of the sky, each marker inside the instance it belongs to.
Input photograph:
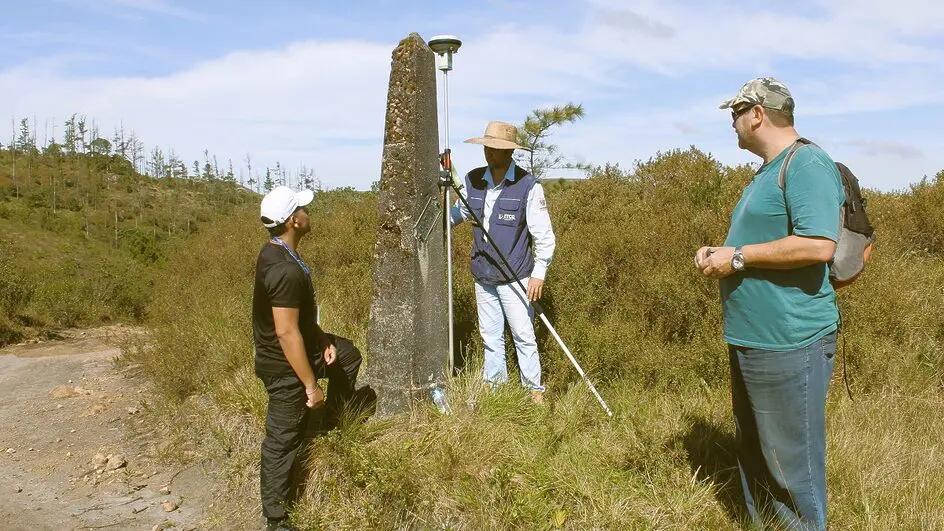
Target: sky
(304, 83)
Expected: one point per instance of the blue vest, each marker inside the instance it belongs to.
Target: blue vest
(508, 228)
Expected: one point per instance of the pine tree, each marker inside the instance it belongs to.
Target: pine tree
(157, 164)
(136, 152)
(100, 146)
(69, 139)
(121, 145)
(26, 141)
(279, 174)
(534, 132)
(251, 181)
(208, 174)
(81, 131)
(230, 175)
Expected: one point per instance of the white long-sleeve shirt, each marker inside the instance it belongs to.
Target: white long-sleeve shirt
(539, 221)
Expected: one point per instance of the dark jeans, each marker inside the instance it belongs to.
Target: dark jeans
(288, 416)
(779, 401)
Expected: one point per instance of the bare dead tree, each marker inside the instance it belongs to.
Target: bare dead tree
(16, 183)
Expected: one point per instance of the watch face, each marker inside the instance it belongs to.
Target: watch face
(738, 262)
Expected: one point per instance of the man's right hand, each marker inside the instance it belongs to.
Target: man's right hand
(701, 255)
(315, 395)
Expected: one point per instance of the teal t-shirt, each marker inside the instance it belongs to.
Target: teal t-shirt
(788, 309)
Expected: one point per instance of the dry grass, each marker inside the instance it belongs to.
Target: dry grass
(665, 461)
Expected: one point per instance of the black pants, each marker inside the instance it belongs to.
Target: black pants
(287, 418)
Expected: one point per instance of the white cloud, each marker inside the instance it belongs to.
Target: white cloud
(697, 36)
(626, 20)
(135, 9)
(265, 103)
(875, 148)
(686, 128)
(888, 172)
(911, 18)
(321, 103)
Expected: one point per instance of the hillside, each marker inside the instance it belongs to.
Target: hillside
(83, 234)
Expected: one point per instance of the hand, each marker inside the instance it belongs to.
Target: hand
(315, 396)
(535, 289)
(701, 255)
(330, 354)
(457, 181)
(715, 262)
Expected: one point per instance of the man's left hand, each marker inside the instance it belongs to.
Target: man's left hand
(330, 354)
(535, 289)
(716, 263)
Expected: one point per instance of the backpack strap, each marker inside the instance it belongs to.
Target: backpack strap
(782, 177)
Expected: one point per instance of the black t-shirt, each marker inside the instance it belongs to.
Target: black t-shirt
(281, 283)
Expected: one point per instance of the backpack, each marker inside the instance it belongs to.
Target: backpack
(856, 236)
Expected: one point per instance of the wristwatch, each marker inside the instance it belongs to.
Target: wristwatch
(737, 261)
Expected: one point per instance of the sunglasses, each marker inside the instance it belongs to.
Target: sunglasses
(736, 113)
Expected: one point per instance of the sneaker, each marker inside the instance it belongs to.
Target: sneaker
(280, 524)
(537, 397)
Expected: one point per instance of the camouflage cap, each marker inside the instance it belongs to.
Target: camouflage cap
(764, 91)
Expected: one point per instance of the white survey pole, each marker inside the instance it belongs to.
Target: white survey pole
(444, 46)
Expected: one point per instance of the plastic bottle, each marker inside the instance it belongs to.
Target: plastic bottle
(439, 398)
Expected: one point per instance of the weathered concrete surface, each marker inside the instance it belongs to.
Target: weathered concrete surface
(407, 335)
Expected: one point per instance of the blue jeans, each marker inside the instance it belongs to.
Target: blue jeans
(779, 401)
(495, 304)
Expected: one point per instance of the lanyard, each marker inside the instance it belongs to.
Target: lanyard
(278, 241)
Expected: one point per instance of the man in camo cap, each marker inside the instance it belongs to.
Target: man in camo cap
(780, 314)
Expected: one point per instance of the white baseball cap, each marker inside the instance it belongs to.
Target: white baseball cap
(279, 204)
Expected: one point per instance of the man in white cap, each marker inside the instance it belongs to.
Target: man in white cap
(780, 314)
(510, 203)
(291, 349)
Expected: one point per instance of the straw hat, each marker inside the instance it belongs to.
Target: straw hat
(498, 135)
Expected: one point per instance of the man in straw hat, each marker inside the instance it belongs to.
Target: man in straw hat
(780, 314)
(291, 349)
(510, 203)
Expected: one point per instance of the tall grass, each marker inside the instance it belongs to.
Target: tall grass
(624, 294)
(200, 315)
(47, 284)
(665, 461)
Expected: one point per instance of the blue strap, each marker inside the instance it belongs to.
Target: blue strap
(278, 241)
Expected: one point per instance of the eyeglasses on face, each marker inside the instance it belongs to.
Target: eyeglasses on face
(737, 112)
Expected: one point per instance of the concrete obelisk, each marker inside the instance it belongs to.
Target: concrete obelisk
(407, 335)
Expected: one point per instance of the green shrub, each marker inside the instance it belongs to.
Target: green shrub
(145, 246)
(622, 290)
(624, 294)
(48, 284)
(199, 315)
(926, 221)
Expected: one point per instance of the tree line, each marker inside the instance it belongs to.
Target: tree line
(83, 137)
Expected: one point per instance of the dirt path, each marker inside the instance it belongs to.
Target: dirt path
(62, 404)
